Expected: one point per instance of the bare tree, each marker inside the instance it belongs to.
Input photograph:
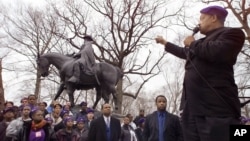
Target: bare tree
(125, 36)
(31, 32)
(144, 101)
(2, 99)
(74, 19)
(243, 93)
(173, 75)
(127, 105)
(121, 31)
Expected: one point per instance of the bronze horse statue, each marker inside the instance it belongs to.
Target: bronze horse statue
(104, 82)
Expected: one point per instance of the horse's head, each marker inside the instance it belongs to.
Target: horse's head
(43, 66)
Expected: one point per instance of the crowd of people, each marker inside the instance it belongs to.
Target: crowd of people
(38, 121)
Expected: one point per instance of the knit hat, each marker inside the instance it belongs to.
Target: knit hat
(8, 110)
(33, 110)
(83, 120)
(83, 103)
(89, 110)
(220, 12)
(68, 118)
(64, 112)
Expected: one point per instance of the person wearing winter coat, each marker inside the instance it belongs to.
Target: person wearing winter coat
(67, 133)
(36, 129)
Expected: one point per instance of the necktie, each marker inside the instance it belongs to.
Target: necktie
(89, 124)
(107, 122)
(161, 126)
(108, 129)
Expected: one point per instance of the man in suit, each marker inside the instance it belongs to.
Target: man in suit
(106, 127)
(210, 97)
(162, 125)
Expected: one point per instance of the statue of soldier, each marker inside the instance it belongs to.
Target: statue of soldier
(85, 61)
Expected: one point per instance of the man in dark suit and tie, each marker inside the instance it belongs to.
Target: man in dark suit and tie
(106, 127)
(210, 100)
(162, 125)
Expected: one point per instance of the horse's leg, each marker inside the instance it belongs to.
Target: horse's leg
(59, 91)
(70, 91)
(98, 97)
(113, 91)
(105, 95)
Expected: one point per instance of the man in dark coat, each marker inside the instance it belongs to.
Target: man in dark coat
(210, 97)
(106, 127)
(140, 116)
(162, 125)
(140, 129)
(83, 113)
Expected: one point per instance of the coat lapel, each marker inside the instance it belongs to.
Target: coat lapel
(103, 125)
(156, 120)
(111, 128)
(167, 119)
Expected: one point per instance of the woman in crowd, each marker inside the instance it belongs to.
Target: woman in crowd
(55, 115)
(67, 133)
(128, 133)
(35, 130)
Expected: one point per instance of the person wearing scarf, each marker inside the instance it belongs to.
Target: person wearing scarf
(35, 130)
(67, 133)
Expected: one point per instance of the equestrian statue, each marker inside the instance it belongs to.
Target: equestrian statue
(80, 72)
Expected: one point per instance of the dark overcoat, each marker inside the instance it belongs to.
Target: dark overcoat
(209, 87)
(172, 128)
(98, 130)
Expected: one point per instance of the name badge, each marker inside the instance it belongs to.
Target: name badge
(38, 134)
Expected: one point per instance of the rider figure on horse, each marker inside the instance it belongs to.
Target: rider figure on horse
(85, 61)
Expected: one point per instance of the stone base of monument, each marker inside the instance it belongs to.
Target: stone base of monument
(116, 115)
(97, 113)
